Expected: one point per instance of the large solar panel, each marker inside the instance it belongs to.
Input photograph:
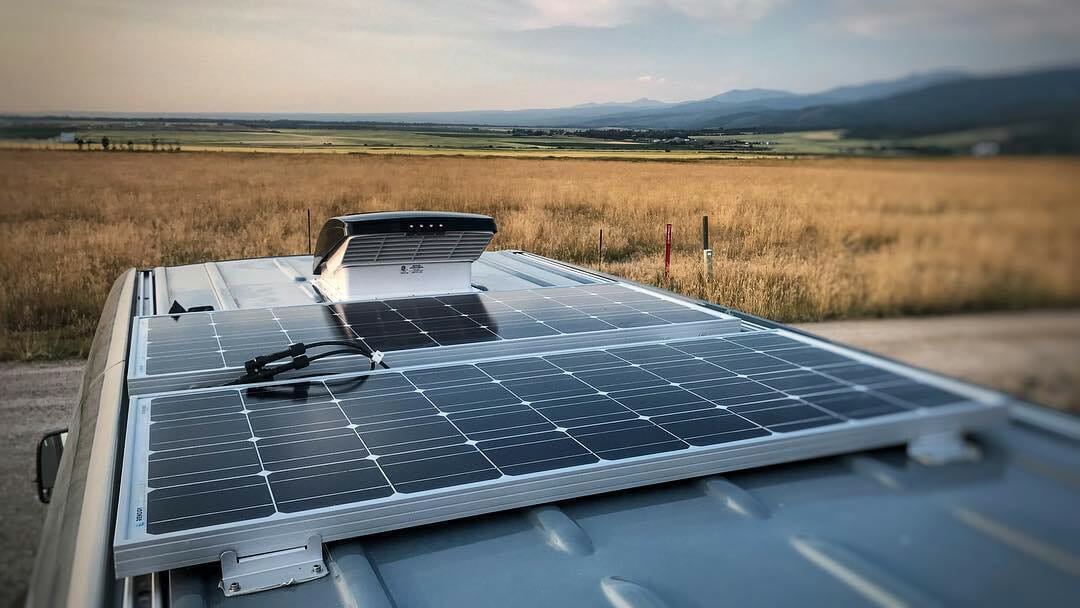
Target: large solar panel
(395, 448)
(215, 340)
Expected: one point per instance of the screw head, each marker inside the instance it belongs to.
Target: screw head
(317, 568)
(234, 587)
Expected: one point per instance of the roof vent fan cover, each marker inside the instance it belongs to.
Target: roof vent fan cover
(399, 254)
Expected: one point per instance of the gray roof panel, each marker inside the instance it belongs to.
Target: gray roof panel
(871, 528)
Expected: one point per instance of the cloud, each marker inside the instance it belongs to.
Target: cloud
(650, 79)
(546, 14)
(725, 11)
(1009, 17)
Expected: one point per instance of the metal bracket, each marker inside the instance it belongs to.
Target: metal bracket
(240, 575)
(942, 448)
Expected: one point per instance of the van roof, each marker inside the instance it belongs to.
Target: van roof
(873, 528)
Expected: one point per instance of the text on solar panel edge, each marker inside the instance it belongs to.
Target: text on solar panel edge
(529, 496)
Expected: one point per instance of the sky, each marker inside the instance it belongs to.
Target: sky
(431, 55)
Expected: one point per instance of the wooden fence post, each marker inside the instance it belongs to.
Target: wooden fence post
(600, 251)
(309, 232)
(667, 252)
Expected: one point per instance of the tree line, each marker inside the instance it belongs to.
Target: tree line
(155, 144)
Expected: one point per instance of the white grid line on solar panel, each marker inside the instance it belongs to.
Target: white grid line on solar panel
(163, 479)
(247, 416)
(594, 368)
(458, 430)
(180, 355)
(367, 448)
(286, 406)
(328, 494)
(610, 363)
(168, 457)
(594, 361)
(549, 421)
(207, 492)
(212, 513)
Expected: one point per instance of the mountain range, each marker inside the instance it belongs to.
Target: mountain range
(1044, 103)
(921, 103)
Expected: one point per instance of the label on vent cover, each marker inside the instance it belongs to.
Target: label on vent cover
(412, 269)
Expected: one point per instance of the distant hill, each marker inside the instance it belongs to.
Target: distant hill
(643, 102)
(885, 88)
(1042, 105)
(735, 105)
(647, 113)
(949, 106)
(639, 113)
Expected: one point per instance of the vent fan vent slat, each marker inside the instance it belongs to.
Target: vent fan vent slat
(458, 246)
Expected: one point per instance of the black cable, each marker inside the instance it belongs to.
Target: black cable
(331, 353)
(358, 345)
(300, 361)
(343, 351)
(299, 348)
(349, 343)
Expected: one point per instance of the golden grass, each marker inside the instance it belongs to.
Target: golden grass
(794, 240)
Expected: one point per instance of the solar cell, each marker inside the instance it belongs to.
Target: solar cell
(236, 455)
(225, 339)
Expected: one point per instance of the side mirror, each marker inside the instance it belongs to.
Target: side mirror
(50, 450)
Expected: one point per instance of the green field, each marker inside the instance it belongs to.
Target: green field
(827, 143)
(354, 139)
(264, 136)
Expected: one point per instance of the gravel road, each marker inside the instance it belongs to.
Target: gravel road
(1034, 355)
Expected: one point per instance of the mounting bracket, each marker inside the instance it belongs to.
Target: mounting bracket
(935, 449)
(248, 574)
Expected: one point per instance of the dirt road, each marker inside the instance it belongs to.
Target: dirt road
(1035, 356)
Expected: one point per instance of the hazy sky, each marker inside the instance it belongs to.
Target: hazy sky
(414, 55)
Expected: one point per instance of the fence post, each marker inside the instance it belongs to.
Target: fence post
(705, 249)
(309, 232)
(600, 251)
(667, 252)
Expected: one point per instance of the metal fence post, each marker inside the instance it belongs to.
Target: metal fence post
(705, 249)
(667, 252)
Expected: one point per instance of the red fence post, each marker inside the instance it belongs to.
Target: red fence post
(667, 252)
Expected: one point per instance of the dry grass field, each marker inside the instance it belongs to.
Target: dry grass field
(794, 240)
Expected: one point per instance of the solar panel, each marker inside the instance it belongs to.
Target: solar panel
(215, 340)
(395, 448)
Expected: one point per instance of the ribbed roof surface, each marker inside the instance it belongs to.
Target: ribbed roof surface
(872, 528)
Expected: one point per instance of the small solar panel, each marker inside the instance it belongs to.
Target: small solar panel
(216, 340)
(395, 448)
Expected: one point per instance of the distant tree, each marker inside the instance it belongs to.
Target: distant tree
(104, 142)
(153, 144)
(177, 146)
(79, 142)
(130, 146)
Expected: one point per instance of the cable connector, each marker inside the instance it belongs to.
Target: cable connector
(376, 358)
(253, 365)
